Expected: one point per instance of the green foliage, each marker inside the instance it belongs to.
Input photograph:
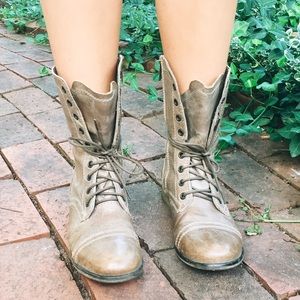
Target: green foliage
(17, 13)
(265, 64)
(140, 30)
(264, 60)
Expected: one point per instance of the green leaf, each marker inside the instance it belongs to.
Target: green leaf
(147, 39)
(240, 28)
(44, 71)
(262, 121)
(295, 129)
(259, 110)
(268, 87)
(138, 67)
(286, 132)
(244, 117)
(294, 146)
(254, 229)
(271, 101)
(228, 139)
(228, 128)
(153, 94)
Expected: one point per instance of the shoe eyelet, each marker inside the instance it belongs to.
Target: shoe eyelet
(90, 164)
(174, 87)
(182, 196)
(63, 89)
(180, 169)
(75, 117)
(180, 155)
(180, 132)
(178, 118)
(81, 130)
(180, 183)
(87, 191)
(175, 102)
(88, 177)
(69, 103)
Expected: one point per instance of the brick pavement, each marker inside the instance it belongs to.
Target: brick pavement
(35, 172)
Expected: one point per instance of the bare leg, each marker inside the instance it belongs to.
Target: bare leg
(84, 38)
(196, 37)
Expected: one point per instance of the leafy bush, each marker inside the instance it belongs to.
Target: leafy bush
(264, 58)
(265, 63)
(16, 14)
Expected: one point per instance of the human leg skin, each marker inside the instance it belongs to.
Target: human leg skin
(196, 36)
(84, 37)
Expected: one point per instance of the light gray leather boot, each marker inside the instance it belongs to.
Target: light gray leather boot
(205, 234)
(101, 237)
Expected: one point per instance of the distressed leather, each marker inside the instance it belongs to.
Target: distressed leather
(101, 237)
(204, 231)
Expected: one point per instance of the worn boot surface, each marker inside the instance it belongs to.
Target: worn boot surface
(101, 237)
(204, 231)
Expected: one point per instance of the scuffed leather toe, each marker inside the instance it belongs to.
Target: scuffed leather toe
(110, 256)
(210, 246)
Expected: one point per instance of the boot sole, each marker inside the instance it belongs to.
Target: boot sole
(207, 267)
(211, 267)
(109, 279)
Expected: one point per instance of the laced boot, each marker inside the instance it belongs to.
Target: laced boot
(101, 237)
(204, 231)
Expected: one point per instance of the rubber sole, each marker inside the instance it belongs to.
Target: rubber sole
(211, 267)
(109, 279)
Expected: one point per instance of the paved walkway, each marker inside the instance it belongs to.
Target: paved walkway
(35, 172)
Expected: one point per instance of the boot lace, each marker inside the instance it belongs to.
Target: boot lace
(107, 160)
(200, 160)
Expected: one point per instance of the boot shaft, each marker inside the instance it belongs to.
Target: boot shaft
(92, 117)
(194, 117)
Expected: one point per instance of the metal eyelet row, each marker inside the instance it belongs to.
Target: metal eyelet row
(178, 117)
(70, 104)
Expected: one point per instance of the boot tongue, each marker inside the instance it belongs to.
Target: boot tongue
(97, 108)
(199, 104)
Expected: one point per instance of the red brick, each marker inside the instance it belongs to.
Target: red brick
(10, 81)
(52, 123)
(55, 204)
(289, 214)
(33, 270)
(154, 168)
(32, 100)
(27, 69)
(255, 183)
(235, 284)
(15, 129)
(47, 84)
(157, 123)
(145, 143)
(19, 220)
(152, 286)
(4, 170)
(67, 148)
(145, 80)
(137, 104)
(274, 259)
(38, 165)
(6, 108)
(8, 57)
(37, 55)
(274, 155)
